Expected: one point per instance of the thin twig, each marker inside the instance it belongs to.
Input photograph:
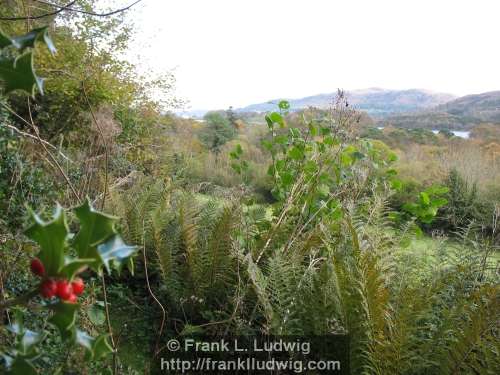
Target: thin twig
(87, 12)
(21, 300)
(163, 312)
(103, 282)
(28, 135)
(108, 321)
(286, 208)
(51, 157)
(30, 17)
(68, 8)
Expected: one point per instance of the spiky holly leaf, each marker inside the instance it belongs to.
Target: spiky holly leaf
(95, 227)
(115, 253)
(18, 74)
(51, 237)
(18, 360)
(95, 347)
(28, 40)
(26, 340)
(64, 318)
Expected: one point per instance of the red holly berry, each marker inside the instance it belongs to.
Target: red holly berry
(78, 286)
(72, 298)
(64, 290)
(37, 267)
(48, 288)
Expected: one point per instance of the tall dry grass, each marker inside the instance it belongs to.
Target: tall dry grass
(475, 162)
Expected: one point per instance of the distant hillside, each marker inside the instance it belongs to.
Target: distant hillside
(374, 101)
(484, 107)
(409, 109)
(459, 114)
(428, 120)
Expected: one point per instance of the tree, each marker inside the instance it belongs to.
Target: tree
(218, 131)
(231, 116)
(463, 203)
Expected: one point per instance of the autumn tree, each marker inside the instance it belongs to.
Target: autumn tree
(217, 132)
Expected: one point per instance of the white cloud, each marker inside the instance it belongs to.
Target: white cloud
(236, 52)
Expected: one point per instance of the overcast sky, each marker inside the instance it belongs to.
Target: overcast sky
(238, 52)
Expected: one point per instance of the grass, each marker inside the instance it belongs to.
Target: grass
(427, 252)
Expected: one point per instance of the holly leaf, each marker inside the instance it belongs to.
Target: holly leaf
(74, 266)
(95, 347)
(26, 340)
(18, 74)
(19, 365)
(28, 40)
(51, 237)
(64, 318)
(116, 253)
(95, 227)
(5, 40)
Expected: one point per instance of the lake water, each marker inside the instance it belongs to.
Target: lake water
(457, 133)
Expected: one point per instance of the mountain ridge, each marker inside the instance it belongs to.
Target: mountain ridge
(462, 113)
(411, 108)
(377, 102)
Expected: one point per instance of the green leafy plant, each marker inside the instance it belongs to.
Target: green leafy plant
(218, 131)
(16, 60)
(429, 201)
(62, 257)
(239, 165)
(324, 257)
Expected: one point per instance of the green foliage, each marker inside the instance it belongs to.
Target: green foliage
(192, 246)
(464, 206)
(217, 132)
(51, 237)
(401, 138)
(96, 244)
(63, 254)
(18, 74)
(20, 358)
(16, 68)
(22, 181)
(325, 257)
(239, 165)
(428, 204)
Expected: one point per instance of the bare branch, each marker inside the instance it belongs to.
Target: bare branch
(67, 7)
(91, 13)
(55, 12)
(31, 136)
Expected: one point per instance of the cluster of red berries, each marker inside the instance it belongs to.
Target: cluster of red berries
(62, 288)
